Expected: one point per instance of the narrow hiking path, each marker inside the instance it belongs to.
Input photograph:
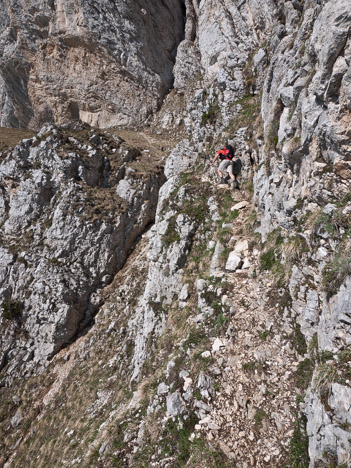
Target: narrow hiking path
(252, 414)
(157, 145)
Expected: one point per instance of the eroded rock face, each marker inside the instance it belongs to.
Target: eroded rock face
(301, 185)
(106, 63)
(298, 55)
(67, 228)
(334, 330)
(167, 258)
(304, 104)
(215, 58)
(328, 426)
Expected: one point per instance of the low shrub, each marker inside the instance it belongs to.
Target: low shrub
(336, 271)
(11, 310)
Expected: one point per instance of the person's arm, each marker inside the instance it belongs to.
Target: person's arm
(214, 159)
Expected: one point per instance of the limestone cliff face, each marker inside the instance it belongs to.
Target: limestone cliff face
(72, 207)
(303, 187)
(106, 63)
(224, 338)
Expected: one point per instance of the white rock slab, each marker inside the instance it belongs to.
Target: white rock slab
(241, 246)
(239, 206)
(217, 345)
(234, 262)
(246, 264)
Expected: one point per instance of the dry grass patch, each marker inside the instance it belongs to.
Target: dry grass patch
(10, 137)
(141, 140)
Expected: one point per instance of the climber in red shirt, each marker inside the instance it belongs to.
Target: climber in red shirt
(226, 155)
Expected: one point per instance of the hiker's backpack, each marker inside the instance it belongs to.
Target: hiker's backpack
(231, 152)
(226, 153)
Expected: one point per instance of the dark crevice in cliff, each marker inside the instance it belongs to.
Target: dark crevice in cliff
(91, 309)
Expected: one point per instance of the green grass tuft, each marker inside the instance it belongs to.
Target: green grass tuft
(336, 271)
(298, 452)
(11, 310)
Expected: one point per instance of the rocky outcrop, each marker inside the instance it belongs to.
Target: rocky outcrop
(72, 208)
(328, 426)
(167, 258)
(106, 63)
(307, 142)
(300, 115)
(299, 54)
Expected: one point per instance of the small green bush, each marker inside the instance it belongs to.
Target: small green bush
(265, 334)
(220, 321)
(325, 356)
(345, 200)
(270, 258)
(175, 440)
(304, 373)
(344, 356)
(249, 366)
(55, 261)
(11, 310)
(298, 452)
(325, 375)
(171, 235)
(22, 260)
(211, 115)
(299, 340)
(336, 271)
(203, 454)
(194, 338)
(267, 259)
(324, 223)
(260, 415)
(197, 209)
(273, 134)
(233, 215)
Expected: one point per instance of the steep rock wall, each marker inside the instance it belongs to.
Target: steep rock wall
(302, 189)
(219, 39)
(105, 63)
(72, 208)
(299, 56)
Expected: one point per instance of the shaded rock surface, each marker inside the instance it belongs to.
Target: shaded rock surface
(105, 63)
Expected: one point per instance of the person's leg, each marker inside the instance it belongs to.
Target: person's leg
(236, 171)
(235, 182)
(230, 171)
(221, 169)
